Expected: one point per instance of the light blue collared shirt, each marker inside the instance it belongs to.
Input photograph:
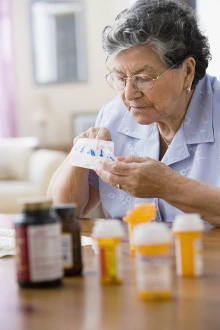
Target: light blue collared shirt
(194, 151)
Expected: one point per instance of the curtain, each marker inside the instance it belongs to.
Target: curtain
(7, 74)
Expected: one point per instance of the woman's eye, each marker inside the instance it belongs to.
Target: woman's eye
(119, 78)
(144, 79)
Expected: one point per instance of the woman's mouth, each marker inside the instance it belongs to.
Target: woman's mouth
(140, 108)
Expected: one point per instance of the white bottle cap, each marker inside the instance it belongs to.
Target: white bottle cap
(108, 229)
(152, 233)
(187, 222)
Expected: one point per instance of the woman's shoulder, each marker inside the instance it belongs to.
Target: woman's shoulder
(215, 86)
(115, 106)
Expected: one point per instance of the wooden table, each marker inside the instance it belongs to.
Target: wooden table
(82, 304)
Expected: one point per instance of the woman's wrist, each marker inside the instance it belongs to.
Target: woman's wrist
(192, 196)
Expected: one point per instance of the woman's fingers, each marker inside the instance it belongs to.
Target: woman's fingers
(111, 178)
(103, 134)
(120, 172)
(132, 159)
(115, 167)
(123, 166)
(99, 133)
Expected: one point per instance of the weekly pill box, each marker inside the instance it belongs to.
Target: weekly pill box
(87, 152)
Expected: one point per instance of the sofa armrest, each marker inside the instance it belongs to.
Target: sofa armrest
(42, 165)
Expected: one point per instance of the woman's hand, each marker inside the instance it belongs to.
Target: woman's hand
(139, 177)
(70, 184)
(99, 133)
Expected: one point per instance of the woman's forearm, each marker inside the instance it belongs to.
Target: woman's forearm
(191, 196)
(70, 185)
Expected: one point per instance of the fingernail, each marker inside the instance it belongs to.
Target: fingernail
(121, 158)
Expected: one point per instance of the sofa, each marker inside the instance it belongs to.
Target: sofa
(25, 171)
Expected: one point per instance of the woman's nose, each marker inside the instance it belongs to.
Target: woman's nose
(130, 91)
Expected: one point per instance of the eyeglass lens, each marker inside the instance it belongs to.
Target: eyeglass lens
(143, 82)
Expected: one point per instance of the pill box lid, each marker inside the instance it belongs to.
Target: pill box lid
(152, 233)
(108, 229)
(187, 222)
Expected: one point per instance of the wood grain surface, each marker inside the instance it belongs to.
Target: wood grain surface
(83, 304)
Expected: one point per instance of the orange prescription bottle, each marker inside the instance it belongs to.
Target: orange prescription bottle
(108, 237)
(142, 213)
(153, 260)
(187, 230)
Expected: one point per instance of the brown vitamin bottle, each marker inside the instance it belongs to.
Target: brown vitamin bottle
(71, 239)
(38, 244)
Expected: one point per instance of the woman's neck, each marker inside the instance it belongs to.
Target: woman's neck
(169, 126)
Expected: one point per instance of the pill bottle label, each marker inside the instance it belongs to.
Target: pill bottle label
(22, 257)
(110, 261)
(153, 273)
(198, 259)
(39, 252)
(189, 259)
(178, 257)
(119, 260)
(44, 245)
(67, 251)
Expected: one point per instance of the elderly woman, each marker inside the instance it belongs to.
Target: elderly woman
(165, 121)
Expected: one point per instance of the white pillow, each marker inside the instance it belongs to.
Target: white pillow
(6, 173)
(15, 154)
(29, 141)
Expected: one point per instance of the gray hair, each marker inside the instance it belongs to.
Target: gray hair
(169, 26)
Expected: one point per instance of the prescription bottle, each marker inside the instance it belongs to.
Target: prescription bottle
(71, 239)
(188, 230)
(153, 260)
(108, 236)
(38, 244)
(142, 213)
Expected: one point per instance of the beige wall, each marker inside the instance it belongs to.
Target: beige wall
(66, 99)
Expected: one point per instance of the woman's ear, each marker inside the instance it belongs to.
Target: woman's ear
(189, 65)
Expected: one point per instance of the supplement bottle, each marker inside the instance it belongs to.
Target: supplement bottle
(153, 261)
(38, 244)
(142, 213)
(188, 231)
(108, 237)
(71, 239)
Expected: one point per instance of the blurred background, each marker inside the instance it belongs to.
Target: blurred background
(52, 66)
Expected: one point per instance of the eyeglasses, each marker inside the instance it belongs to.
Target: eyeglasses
(142, 82)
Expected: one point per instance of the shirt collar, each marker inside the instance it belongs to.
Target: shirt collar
(130, 127)
(197, 124)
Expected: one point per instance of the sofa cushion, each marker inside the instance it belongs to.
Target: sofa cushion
(5, 172)
(15, 154)
(12, 191)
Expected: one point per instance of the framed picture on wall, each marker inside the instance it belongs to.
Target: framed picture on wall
(82, 122)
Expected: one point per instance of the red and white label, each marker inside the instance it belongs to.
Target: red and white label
(39, 256)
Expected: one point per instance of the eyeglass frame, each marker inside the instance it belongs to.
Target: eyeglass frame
(133, 84)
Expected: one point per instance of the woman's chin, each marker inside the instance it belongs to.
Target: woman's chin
(143, 119)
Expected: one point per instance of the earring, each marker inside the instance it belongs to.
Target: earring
(188, 90)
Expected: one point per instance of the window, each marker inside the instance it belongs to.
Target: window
(209, 17)
(58, 41)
